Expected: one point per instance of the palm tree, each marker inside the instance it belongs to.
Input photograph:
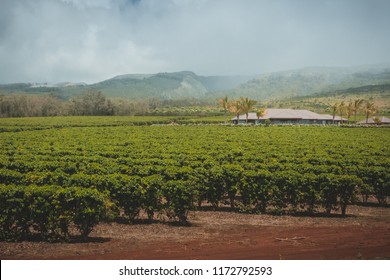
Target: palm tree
(369, 109)
(260, 113)
(236, 107)
(247, 105)
(334, 109)
(349, 110)
(341, 108)
(225, 104)
(356, 107)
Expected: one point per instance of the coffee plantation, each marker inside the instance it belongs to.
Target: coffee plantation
(75, 172)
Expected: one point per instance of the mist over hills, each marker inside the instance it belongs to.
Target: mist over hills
(186, 84)
(309, 81)
(176, 85)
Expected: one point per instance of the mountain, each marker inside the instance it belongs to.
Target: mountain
(308, 81)
(322, 102)
(161, 85)
(175, 85)
(186, 84)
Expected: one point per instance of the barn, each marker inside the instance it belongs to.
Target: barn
(376, 120)
(288, 116)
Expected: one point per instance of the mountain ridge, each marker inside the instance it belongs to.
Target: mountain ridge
(187, 84)
(308, 81)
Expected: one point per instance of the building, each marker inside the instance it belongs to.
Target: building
(376, 120)
(289, 116)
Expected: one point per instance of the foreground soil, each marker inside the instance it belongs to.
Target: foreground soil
(364, 234)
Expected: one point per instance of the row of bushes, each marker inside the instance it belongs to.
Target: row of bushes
(49, 211)
(375, 180)
(109, 170)
(244, 190)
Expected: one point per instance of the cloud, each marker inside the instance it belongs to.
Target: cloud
(91, 40)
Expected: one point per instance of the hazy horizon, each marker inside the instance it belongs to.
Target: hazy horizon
(93, 40)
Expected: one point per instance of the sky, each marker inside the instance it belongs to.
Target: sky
(93, 40)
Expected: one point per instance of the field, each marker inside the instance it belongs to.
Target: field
(132, 188)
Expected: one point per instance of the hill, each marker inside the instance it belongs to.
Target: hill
(380, 94)
(188, 85)
(169, 86)
(175, 85)
(309, 81)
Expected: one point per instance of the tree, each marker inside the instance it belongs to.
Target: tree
(247, 105)
(341, 108)
(369, 109)
(225, 104)
(260, 113)
(334, 109)
(91, 103)
(349, 110)
(236, 107)
(356, 107)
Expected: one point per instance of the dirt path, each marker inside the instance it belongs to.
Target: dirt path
(221, 235)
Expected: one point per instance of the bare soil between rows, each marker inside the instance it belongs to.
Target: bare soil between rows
(363, 234)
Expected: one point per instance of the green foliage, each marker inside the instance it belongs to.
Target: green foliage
(309, 192)
(212, 188)
(84, 207)
(14, 213)
(103, 164)
(179, 196)
(151, 200)
(231, 176)
(347, 185)
(129, 195)
(377, 180)
(328, 191)
(49, 211)
(255, 189)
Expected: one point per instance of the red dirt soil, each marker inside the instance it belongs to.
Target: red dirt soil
(364, 234)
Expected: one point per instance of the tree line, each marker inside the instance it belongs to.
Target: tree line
(91, 103)
(243, 105)
(352, 108)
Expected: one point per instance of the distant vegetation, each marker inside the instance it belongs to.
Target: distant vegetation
(163, 86)
(379, 94)
(309, 81)
(94, 103)
(185, 92)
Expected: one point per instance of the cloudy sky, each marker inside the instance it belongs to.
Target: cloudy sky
(93, 40)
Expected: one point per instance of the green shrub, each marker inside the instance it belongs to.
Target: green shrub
(88, 208)
(151, 200)
(255, 190)
(49, 211)
(129, 196)
(14, 213)
(347, 185)
(179, 196)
